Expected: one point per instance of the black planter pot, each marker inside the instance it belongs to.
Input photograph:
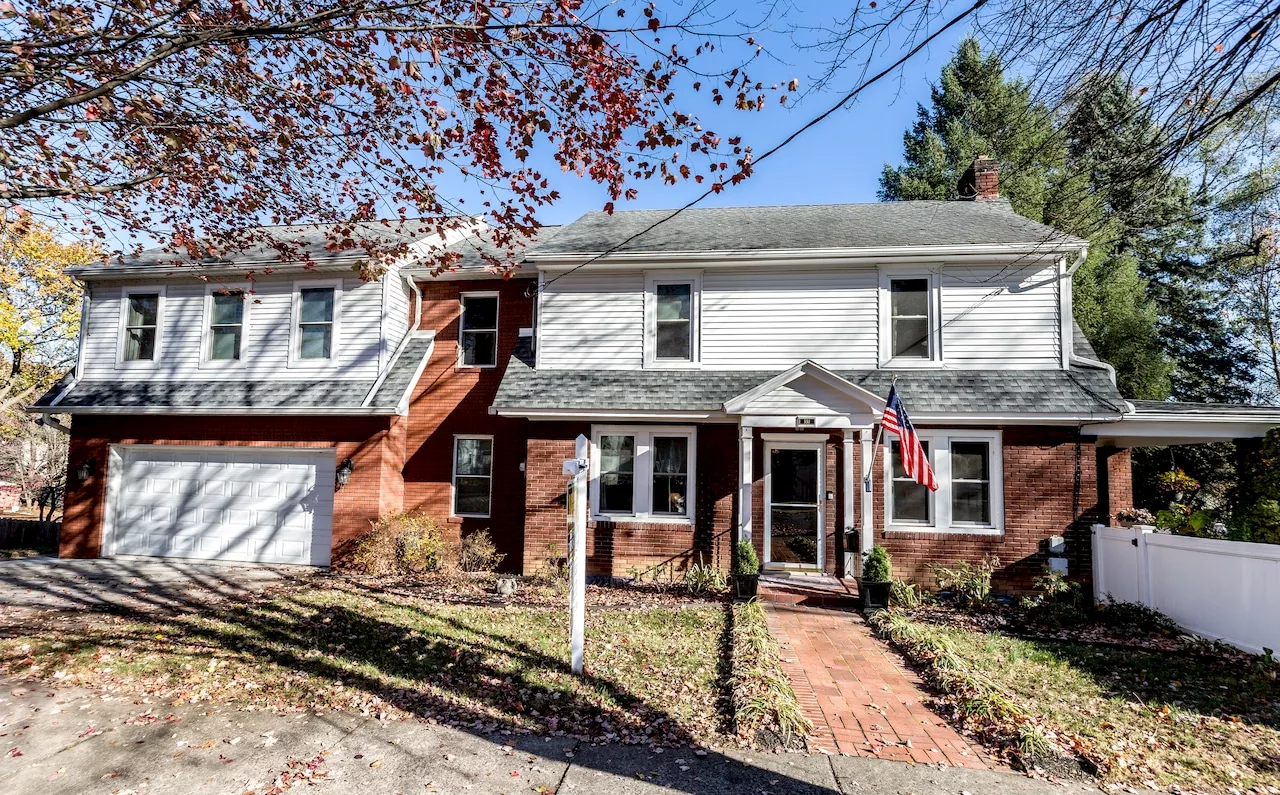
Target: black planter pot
(746, 585)
(875, 595)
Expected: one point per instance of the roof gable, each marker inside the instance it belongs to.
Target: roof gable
(807, 388)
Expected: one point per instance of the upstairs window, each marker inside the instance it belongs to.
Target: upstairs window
(226, 325)
(141, 326)
(315, 322)
(671, 319)
(479, 330)
(909, 319)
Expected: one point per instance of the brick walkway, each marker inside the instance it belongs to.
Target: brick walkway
(862, 701)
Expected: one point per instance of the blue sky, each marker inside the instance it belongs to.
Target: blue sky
(839, 160)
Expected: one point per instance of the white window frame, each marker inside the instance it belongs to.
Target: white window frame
(887, 359)
(121, 335)
(497, 320)
(453, 478)
(940, 452)
(642, 496)
(206, 330)
(651, 281)
(295, 318)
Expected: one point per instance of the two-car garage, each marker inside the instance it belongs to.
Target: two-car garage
(253, 504)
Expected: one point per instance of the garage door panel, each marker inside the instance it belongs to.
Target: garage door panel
(250, 504)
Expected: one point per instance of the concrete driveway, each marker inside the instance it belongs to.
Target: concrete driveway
(49, 583)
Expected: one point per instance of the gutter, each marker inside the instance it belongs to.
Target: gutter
(554, 259)
(221, 411)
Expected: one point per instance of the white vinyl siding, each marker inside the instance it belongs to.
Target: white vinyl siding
(1017, 327)
(265, 343)
(770, 318)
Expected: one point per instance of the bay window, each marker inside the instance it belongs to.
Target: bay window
(642, 473)
(969, 499)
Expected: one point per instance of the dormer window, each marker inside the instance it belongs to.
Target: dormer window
(478, 330)
(909, 332)
(671, 319)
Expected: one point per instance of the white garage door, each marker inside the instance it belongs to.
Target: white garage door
(246, 504)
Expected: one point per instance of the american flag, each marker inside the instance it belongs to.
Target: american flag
(914, 459)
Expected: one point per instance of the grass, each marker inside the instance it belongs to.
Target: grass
(655, 670)
(1198, 719)
(765, 707)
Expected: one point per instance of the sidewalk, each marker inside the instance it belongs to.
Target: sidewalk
(80, 742)
(862, 701)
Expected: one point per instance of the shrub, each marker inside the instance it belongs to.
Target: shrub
(1136, 516)
(878, 566)
(704, 578)
(904, 594)
(745, 560)
(969, 583)
(400, 543)
(1137, 616)
(554, 566)
(476, 552)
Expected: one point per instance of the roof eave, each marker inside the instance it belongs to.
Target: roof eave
(220, 411)
(550, 260)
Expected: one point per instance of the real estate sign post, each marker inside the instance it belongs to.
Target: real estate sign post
(576, 500)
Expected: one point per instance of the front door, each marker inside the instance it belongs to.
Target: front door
(793, 505)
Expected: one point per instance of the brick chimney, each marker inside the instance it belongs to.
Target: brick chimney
(981, 182)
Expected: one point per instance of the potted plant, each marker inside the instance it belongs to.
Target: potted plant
(746, 570)
(1135, 517)
(877, 580)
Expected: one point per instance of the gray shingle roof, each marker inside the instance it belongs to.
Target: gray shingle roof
(878, 225)
(1080, 343)
(401, 374)
(1142, 407)
(151, 395)
(1077, 391)
(471, 247)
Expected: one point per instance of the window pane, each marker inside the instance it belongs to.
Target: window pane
(896, 449)
(969, 461)
(140, 344)
(793, 476)
(315, 341)
(910, 501)
(670, 494)
(674, 340)
(910, 296)
(471, 495)
(793, 535)
(480, 313)
(317, 305)
(225, 343)
(970, 502)
(228, 309)
(670, 470)
(911, 337)
(479, 348)
(670, 454)
(617, 481)
(143, 309)
(474, 457)
(674, 301)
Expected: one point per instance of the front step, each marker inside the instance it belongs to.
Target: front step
(809, 590)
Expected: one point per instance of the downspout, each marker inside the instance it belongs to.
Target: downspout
(1073, 358)
(417, 306)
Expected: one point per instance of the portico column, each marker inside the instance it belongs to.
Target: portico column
(745, 433)
(868, 519)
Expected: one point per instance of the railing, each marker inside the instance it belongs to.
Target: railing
(1225, 590)
(20, 533)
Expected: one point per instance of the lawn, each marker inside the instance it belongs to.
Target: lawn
(656, 665)
(1181, 714)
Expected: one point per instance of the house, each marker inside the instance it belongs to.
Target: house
(729, 366)
(10, 496)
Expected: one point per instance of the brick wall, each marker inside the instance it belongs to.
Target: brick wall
(368, 441)
(453, 400)
(619, 548)
(1041, 499)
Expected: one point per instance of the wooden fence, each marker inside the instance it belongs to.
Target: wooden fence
(28, 533)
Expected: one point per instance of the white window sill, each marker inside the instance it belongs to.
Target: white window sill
(136, 364)
(629, 518)
(469, 516)
(672, 364)
(911, 364)
(477, 366)
(954, 530)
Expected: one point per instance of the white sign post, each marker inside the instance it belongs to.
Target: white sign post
(576, 494)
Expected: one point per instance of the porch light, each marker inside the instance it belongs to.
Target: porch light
(84, 470)
(343, 473)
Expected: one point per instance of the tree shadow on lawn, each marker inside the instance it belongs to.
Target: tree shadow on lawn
(429, 660)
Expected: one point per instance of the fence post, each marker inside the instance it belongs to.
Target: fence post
(1144, 569)
(1099, 568)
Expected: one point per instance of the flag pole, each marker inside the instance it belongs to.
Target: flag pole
(875, 447)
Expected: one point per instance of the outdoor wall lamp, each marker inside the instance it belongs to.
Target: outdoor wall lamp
(343, 473)
(84, 470)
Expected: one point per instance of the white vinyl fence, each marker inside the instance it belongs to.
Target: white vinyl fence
(1225, 590)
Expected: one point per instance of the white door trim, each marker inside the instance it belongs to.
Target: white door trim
(818, 445)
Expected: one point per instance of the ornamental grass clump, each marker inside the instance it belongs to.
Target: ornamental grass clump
(765, 710)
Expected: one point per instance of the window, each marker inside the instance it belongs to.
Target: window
(912, 503)
(479, 330)
(671, 319)
(643, 473)
(969, 499)
(140, 325)
(315, 322)
(226, 324)
(909, 318)
(472, 475)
